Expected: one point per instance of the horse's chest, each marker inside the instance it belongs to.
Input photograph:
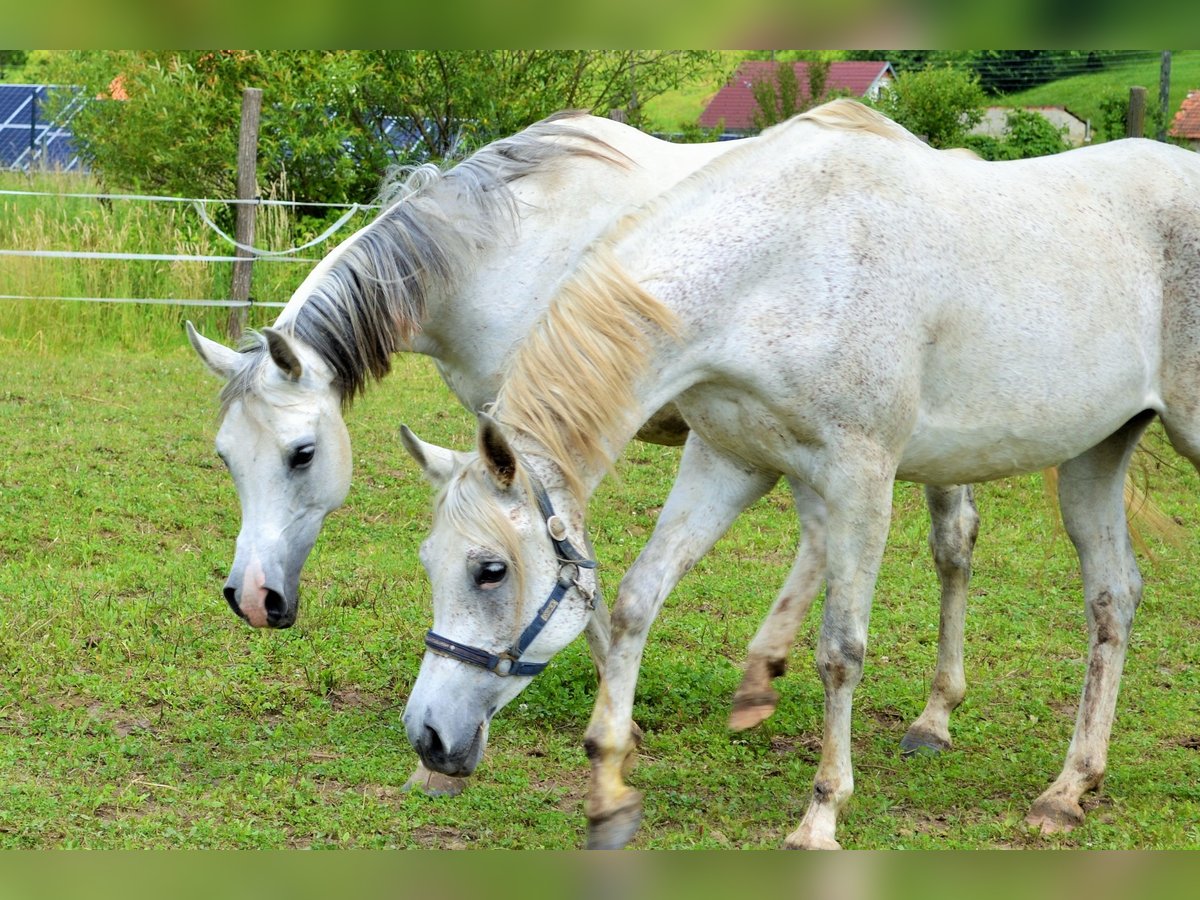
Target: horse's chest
(742, 425)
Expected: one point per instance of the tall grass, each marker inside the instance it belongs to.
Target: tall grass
(124, 226)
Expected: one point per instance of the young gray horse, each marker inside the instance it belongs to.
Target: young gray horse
(870, 310)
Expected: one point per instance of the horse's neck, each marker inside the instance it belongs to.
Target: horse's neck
(472, 325)
(472, 329)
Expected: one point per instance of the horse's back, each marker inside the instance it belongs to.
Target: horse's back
(952, 306)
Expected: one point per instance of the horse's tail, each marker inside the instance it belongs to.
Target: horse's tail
(1141, 512)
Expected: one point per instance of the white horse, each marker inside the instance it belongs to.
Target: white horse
(869, 310)
(459, 267)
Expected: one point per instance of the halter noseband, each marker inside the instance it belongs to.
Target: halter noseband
(570, 561)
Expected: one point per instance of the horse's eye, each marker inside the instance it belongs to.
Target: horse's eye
(302, 457)
(490, 574)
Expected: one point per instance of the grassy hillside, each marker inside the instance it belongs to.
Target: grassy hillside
(1080, 93)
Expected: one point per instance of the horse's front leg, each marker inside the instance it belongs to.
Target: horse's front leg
(766, 657)
(954, 523)
(709, 493)
(860, 507)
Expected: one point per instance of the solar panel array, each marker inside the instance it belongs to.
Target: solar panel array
(28, 138)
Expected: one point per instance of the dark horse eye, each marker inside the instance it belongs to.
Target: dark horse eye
(302, 457)
(490, 574)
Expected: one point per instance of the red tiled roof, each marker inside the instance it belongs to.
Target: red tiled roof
(734, 104)
(1187, 120)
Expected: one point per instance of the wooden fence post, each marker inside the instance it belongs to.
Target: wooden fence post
(247, 189)
(1164, 95)
(1135, 119)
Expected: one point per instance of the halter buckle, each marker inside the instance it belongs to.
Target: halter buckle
(557, 527)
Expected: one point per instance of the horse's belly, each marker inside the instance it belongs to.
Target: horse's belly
(954, 453)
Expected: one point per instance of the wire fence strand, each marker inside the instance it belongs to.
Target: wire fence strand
(198, 204)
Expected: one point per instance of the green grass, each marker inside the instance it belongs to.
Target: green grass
(674, 109)
(136, 711)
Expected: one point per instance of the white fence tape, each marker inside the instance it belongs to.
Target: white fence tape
(150, 257)
(198, 203)
(159, 198)
(158, 301)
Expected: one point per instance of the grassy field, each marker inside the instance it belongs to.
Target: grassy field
(136, 711)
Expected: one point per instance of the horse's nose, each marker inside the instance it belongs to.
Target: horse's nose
(278, 615)
(432, 749)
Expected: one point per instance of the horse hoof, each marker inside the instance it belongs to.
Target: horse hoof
(1054, 816)
(752, 709)
(616, 830)
(810, 842)
(435, 784)
(919, 742)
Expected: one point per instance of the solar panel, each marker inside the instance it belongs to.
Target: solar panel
(28, 137)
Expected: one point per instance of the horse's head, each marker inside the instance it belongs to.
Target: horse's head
(511, 587)
(284, 441)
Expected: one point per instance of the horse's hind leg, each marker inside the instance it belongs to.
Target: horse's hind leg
(1091, 494)
(766, 658)
(954, 526)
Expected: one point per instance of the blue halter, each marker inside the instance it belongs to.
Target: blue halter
(570, 561)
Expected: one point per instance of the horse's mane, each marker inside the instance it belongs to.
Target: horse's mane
(850, 115)
(570, 384)
(597, 332)
(435, 222)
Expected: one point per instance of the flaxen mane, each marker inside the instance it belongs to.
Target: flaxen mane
(850, 115)
(570, 385)
(434, 225)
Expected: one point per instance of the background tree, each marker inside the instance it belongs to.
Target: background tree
(1026, 134)
(781, 97)
(940, 104)
(333, 122)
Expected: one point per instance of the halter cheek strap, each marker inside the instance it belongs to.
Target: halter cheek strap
(570, 561)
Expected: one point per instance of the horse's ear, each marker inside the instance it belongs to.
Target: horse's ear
(282, 352)
(436, 462)
(219, 358)
(497, 455)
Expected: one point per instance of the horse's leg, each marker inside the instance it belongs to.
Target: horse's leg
(598, 630)
(709, 493)
(766, 658)
(1091, 494)
(954, 524)
(860, 508)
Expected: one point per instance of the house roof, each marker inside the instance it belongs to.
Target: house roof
(1187, 120)
(734, 104)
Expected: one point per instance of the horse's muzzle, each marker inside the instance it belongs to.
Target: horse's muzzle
(273, 611)
(440, 755)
